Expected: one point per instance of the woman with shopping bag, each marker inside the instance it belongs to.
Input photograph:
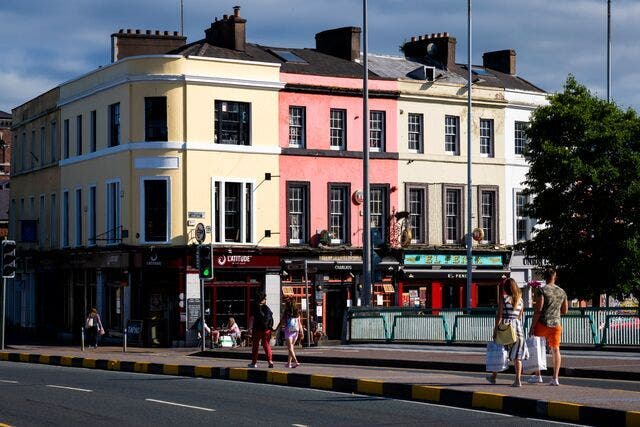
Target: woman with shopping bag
(508, 329)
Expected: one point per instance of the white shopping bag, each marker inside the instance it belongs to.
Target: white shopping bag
(537, 355)
(497, 358)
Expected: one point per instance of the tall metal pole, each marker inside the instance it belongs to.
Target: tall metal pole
(203, 333)
(608, 50)
(469, 180)
(366, 233)
(4, 302)
(181, 18)
(306, 292)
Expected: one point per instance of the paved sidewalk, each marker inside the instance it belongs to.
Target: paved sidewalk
(584, 404)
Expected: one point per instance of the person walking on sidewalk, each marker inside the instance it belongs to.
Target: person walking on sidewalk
(510, 310)
(551, 302)
(261, 323)
(93, 326)
(292, 330)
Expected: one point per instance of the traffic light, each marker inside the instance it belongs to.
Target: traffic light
(205, 266)
(8, 259)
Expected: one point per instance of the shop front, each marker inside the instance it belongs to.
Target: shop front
(438, 279)
(326, 286)
(237, 277)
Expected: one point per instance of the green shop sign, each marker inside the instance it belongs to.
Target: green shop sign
(447, 260)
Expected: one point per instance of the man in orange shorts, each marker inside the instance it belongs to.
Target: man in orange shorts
(551, 302)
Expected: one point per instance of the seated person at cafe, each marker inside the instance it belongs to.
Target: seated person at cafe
(233, 330)
(315, 333)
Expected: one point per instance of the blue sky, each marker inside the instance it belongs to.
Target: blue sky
(47, 42)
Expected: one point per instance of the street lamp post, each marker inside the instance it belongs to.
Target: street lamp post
(366, 220)
(608, 50)
(469, 181)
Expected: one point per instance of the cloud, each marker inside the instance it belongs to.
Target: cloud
(51, 41)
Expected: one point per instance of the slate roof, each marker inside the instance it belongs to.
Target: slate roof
(4, 115)
(399, 67)
(380, 66)
(316, 63)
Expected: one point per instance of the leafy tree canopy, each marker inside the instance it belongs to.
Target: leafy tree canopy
(584, 183)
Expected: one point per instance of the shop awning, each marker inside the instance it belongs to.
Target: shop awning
(427, 273)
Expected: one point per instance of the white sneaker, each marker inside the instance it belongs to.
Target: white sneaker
(252, 365)
(534, 379)
(554, 382)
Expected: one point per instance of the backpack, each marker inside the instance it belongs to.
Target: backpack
(292, 324)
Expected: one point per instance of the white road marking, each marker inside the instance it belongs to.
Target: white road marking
(70, 388)
(8, 381)
(564, 423)
(180, 404)
(299, 425)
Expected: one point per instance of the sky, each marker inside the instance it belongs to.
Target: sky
(44, 43)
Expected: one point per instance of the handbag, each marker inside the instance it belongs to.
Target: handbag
(101, 331)
(537, 360)
(506, 334)
(497, 358)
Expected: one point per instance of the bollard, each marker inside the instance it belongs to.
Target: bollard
(81, 338)
(124, 340)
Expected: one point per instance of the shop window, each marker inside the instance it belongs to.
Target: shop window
(232, 121)
(384, 293)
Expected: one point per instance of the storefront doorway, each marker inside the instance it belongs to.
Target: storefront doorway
(336, 305)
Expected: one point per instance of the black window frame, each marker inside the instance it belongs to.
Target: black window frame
(114, 124)
(155, 118)
(304, 186)
(224, 122)
(156, 206)
(345, 188)
(482, 190)
(424, 238)
(301, 127)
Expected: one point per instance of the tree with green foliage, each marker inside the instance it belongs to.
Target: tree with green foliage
(584, 183)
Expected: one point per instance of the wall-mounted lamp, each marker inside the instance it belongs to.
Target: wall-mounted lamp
(268, 233)
(268, 176)
(284, 273)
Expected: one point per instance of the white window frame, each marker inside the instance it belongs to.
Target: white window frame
(113, 223)
(92, 215)
(377, 126)
(299, 124)
(77, 201)
(415, 133)
(529, 223)
(220, 224)
(520, 139)
(342, 130)
(452, 130)
(486, 129)
(143, 219)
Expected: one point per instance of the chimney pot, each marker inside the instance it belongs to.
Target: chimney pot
(128, 30)
(175, 33)
(166, 33)
(157, 32)
(419, 38)
(446, 34)
(236, 11)
(121, 31)
(147, 32)
(413, 38)
(225, 17)
(433, 35)
(137, 31)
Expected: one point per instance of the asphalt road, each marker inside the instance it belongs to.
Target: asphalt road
(36, 395)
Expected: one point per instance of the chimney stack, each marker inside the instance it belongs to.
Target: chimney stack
(440, 47)
(340, 42)
(503, 61)
(230, 32)
(138, 42)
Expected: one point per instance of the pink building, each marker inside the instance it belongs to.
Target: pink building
(321, 207)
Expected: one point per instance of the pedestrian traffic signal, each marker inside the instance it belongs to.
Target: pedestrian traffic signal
(8, 259)
(205, 266)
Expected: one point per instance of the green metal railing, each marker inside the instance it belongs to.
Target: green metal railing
(582, 326)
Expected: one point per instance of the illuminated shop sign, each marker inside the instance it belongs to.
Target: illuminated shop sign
(452, 260)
